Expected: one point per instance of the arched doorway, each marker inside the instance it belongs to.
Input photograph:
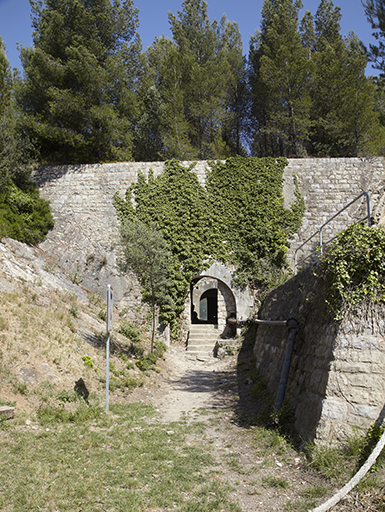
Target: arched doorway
(212, 302)
(208, 306)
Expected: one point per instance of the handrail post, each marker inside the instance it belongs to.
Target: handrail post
(368, 209)
(320, 239)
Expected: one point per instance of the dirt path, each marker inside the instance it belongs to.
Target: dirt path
(264, 472)
(195, 385)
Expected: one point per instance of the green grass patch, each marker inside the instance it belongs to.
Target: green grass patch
(89, 460)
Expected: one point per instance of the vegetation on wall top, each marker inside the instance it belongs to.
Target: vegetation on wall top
(354, 270)
(238, 218)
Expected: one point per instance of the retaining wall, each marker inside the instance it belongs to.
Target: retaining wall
(84, 236)
(337, 377)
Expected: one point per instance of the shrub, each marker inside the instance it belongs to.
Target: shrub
(24, 216)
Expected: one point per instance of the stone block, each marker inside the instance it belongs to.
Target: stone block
(7, 412)
(334, 410)
(365, 411)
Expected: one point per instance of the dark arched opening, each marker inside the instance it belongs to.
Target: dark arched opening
(208, 307)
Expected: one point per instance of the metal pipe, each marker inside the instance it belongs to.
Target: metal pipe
(292, 325)
(269, 322)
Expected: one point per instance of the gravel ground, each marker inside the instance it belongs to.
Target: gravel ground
(218, 392)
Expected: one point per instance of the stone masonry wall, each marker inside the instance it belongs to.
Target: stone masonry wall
(329, 184)
(85, 232)
(336, 380)
(337, 375)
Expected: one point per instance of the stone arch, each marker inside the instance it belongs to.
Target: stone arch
(233, 303)
(218, 301)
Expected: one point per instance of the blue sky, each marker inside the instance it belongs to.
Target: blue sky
(15, 22)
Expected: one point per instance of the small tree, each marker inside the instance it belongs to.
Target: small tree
(145, 253)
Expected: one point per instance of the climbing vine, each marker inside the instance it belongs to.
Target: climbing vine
(238, 217)
(354, 270)
(246, 194)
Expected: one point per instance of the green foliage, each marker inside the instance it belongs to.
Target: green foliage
(371, 439)
(130, 332)
(145, 252)
(309, 92)
(146, 362)
(89, 363)
(160, 349)
(374, 10)
(239, 218)
(345, 125)
(24, 216)
(50, 413)
(192, 103)
(280, 75)
(77, 94)
(246, 195)
(354, 269)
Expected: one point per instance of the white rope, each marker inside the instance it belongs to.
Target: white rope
(355, 480)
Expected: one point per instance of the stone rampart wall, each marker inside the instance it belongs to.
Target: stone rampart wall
(327, 400)
(337, 376)
(328, 185)
(84, 236)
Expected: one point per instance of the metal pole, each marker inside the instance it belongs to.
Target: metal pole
(368, 209)
(109, 329)
(292, 325)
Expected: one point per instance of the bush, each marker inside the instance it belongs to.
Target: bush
(147, 361)
(24, 216)
(130, 332)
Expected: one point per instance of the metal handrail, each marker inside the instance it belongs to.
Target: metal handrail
(319, 232)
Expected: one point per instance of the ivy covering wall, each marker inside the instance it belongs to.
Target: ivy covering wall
(238, 217)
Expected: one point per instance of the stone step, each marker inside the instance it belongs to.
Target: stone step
(202, 343)
(201, 353)
(203, 327)
(200, 348)
(202, 340)
(203, 336)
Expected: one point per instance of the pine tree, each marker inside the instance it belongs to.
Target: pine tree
(279, 75)
(14, 147)
(375, 13)
(200, 78)
(78, 92)
(343, 119)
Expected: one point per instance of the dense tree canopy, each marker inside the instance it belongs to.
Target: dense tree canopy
(89, 93)
(78, 91)
(309, 92)
(195, 82)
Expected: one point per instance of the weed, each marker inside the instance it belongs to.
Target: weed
(130, 332)
(103, 314)
(329, 461)
(4, 325)
(20, 387)
(74, 310)
(315, 491)
(48, 414)
(147, 362)
(89, 363)
(65, 396)
(370, 441)
(159, 349)
(275, 482)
